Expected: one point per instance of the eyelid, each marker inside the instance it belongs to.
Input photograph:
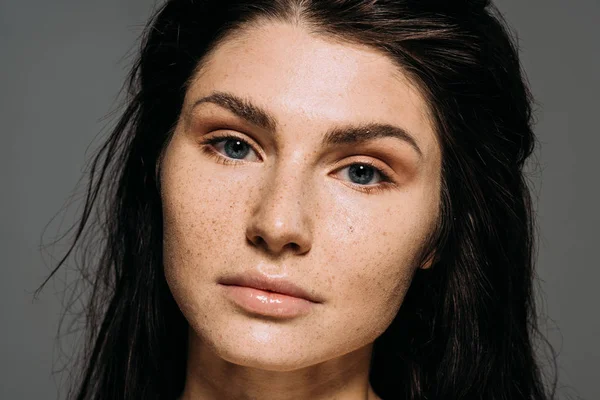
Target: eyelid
(220, 137)
(384, 171)
(387, 182)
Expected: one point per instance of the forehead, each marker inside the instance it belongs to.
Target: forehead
(311, 79)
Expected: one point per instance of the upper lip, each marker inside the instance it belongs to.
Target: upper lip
(260, 281)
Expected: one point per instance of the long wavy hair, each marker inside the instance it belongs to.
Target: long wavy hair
(467, 328)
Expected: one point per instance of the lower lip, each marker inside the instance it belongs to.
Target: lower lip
(269, 304)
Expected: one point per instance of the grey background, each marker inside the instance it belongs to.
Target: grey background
(62, 64)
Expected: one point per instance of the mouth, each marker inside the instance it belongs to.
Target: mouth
(261, 295)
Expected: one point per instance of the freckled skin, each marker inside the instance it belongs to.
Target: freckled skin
(293, 212)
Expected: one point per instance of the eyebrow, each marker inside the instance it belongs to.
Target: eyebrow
(339, 135)
(242, 108)
(356, 134)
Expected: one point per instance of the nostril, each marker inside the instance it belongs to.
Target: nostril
(256, 241)
(294, 246)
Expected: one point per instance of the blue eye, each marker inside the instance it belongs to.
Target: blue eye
(231, 147)
(236, 149)
(363, 174)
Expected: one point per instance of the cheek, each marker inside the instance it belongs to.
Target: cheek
(374, 256)
(202, 215)
(196, 212)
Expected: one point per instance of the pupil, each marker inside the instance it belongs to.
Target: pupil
(236, 149)
(362, 173)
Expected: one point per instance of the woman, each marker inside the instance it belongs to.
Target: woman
(315, 200)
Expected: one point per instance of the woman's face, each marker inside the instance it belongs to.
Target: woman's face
(331, 183)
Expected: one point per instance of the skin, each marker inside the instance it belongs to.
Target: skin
(290, 207)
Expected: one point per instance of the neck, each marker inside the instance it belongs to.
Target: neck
(210, 377)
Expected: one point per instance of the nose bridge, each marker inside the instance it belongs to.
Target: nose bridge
(281, 217)
(288, 178)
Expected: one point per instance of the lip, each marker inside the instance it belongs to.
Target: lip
(275, 297)
(266, 283)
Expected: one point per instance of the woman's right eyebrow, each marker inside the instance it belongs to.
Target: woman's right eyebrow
(242, 108)
(350, 134)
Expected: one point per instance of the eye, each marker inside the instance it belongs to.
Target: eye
(363, 173)
(366, 177)
(231, 147)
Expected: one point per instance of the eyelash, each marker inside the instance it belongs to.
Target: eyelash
(386, 181)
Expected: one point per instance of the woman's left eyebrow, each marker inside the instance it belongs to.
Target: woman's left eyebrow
(339, 135)
(357, 134)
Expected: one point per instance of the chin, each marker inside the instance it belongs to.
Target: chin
(265, 358)
(262, 345)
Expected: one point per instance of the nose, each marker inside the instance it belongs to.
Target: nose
(280, 220)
